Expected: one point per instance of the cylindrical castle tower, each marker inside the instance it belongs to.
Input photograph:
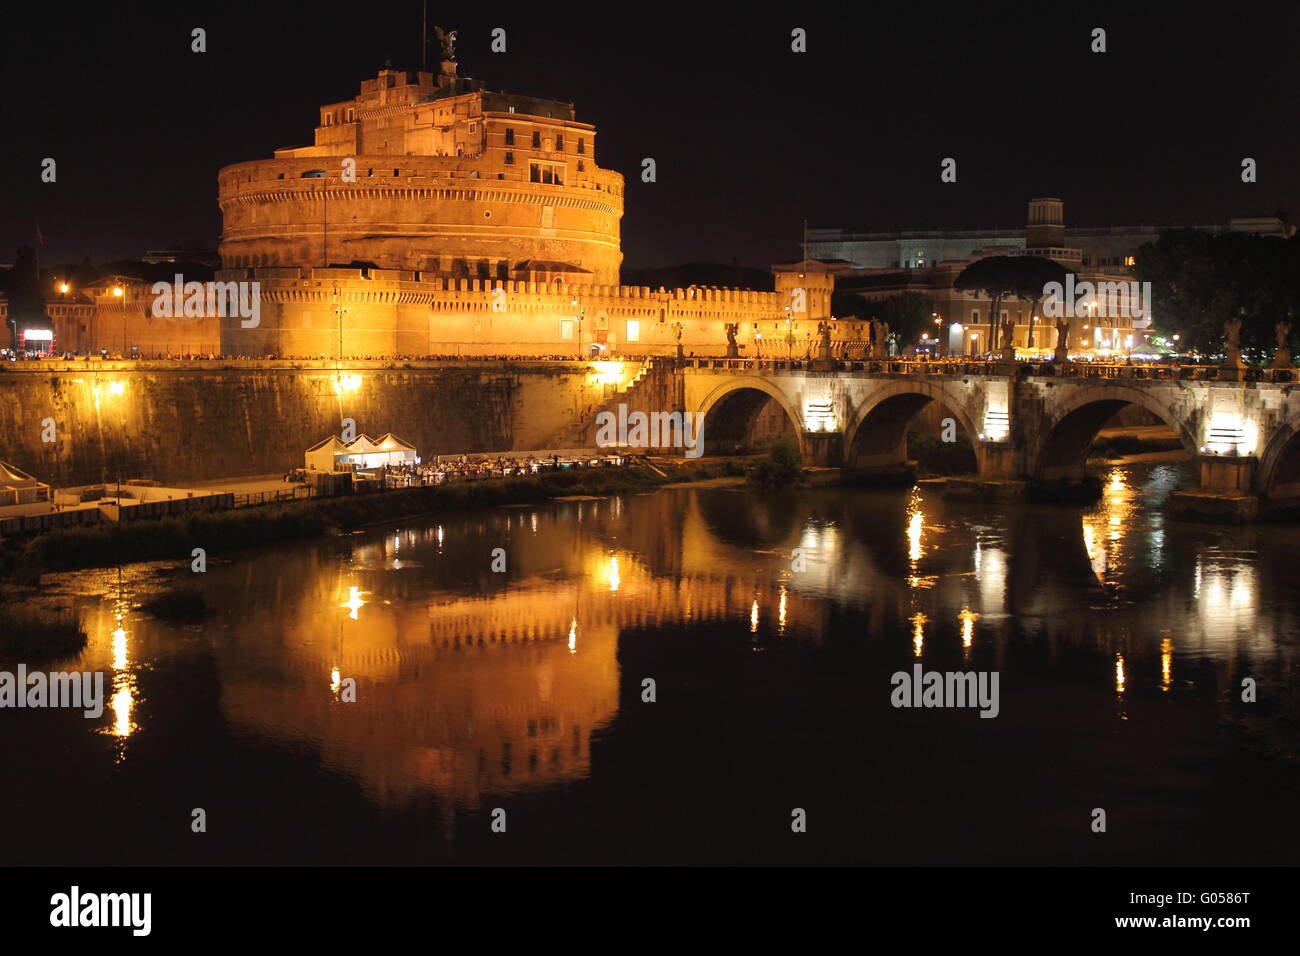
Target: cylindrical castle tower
(434, 175)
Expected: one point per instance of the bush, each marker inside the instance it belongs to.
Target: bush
(782, 468)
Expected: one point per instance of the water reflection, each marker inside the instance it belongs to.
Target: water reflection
(472, 682)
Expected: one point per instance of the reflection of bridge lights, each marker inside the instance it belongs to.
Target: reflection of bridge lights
(613, 573)
(440, 536)
(1166, 663)
(968, 619)
(122, 702)
(354, 602)
(753, 617)
(1119, 673)
(918, 632)
(336, 681)
(780, 614)
(573, 636)
(915, 525)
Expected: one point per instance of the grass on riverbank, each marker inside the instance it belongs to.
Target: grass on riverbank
(34, 637)
(174, 538)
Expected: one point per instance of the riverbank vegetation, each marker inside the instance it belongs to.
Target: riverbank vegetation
(37, 637)
(782, 467)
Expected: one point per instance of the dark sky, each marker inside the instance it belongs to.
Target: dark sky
(750, 139)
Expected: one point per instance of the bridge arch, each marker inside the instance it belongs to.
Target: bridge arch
(1279, 466)
(1061, 453)
(877, 431)
(731, 410)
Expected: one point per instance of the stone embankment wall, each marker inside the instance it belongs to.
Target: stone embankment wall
(87, 422)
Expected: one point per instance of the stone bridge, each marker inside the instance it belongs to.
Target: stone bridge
(1027, 423)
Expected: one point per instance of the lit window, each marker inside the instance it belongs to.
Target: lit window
(566, 330)
(633, 330)
(1130, 261)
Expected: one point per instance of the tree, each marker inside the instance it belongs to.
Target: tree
(1199, 280)
(908, 313)
(997, 277)
(1036, 273)
(26, 297)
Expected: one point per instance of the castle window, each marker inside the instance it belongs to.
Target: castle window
(534, 175)
(581, 168)
(582, 145)
(537, 140)
(633, 330)
(510, 136)
(510, 159)
(559, 142)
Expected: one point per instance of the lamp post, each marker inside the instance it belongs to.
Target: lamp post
(582, 312)
(938, 334)
(119, 290)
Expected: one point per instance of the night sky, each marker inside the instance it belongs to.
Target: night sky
(750, 139)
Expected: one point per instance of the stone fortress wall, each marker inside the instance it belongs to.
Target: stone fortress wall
(399, 313)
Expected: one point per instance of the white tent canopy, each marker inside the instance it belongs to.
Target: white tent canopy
(398, 450)
(389, 450)
(325, 455)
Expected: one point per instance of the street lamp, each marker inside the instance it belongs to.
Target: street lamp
(582, 311)
(119, 291)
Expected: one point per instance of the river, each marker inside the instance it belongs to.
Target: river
(770, 626)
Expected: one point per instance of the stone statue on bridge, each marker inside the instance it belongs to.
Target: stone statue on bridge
(733, 350)
(1282, 357)
(1062, 352)
(1232, 342)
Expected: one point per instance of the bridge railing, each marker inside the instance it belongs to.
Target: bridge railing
(969, 367)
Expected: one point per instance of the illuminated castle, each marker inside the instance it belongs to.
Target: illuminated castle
(434, 175)
(434, 217)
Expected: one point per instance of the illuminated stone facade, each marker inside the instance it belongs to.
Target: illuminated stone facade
(436, 175)
(434, 217)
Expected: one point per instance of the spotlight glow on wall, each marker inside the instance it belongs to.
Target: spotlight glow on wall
(607, 373)
(819, 416)
(1230, 434)
(997, 425)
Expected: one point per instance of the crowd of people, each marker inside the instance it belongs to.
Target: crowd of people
(478, 468)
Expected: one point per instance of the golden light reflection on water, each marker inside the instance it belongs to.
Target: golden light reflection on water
(918, 632)
(354, 602)
(968, 619)
(474, 688)
(1104, 529)
(122, 700)
(915, 525)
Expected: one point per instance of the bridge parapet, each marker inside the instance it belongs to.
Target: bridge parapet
(1025, 421)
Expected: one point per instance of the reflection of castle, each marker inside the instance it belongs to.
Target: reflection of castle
(463, 695)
